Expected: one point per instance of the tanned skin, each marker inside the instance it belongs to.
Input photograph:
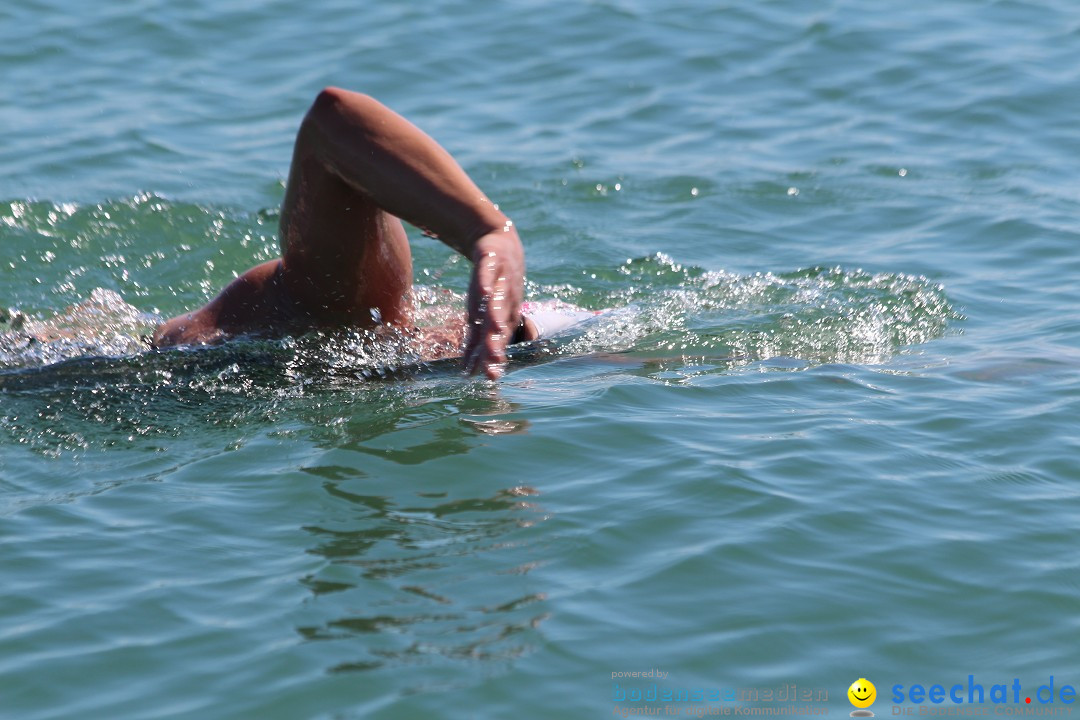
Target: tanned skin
(357, 168)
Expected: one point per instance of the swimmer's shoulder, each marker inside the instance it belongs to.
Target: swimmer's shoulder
(253, 303)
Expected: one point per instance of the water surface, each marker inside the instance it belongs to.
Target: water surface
(828, 432)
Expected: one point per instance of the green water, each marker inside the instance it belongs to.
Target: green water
(828, 432)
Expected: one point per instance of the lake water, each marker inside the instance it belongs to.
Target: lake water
(829, 433)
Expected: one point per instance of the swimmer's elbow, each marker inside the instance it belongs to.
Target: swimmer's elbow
(327, 101)
(336, 102)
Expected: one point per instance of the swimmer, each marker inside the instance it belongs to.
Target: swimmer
(359, 169)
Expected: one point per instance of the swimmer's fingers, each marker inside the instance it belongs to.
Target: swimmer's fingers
(495, 295)
(488, 319)
(483, 351)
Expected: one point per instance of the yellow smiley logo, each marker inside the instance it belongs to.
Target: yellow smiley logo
(862, 693)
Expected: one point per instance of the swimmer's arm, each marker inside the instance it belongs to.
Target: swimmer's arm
(409, 175)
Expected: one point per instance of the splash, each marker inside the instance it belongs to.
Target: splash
(654, 304)
(815, 315)
(83, 377)
(102, 325)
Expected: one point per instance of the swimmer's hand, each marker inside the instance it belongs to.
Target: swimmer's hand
(494, 301)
